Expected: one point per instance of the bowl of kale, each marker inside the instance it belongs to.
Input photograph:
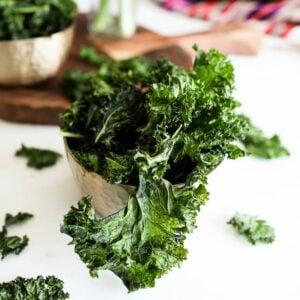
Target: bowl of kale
(156, 131)
(142, 139)
(35, 37)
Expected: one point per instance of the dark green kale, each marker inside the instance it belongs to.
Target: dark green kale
(145, 240)
(175, 128)
(42, 288)
(13, 244)
(254, 229)
(38, 158)
(18, 218)
(258, 145)
(110, 76)
(134, 68)
(23, 19)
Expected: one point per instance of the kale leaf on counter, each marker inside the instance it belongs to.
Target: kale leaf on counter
(38, 158)
(13, 244)
(46, 288)
(169, 127)
(110, 74)
(18, 218)
(258, 145)
(254, 229)
(23, 19)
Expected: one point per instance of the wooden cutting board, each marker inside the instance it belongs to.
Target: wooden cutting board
(42, 104)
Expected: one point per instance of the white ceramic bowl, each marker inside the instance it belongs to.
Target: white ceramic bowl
(107, 198)
(29, 61)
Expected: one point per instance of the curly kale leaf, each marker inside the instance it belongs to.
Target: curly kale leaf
(13, 244)
(18, 218)
(145, 240)
(254, 229)
(260, 146)
(46, 288)
(23, 19)
(134, 69)
(38, 158)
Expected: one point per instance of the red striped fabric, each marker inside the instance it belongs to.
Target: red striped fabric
(278, 17)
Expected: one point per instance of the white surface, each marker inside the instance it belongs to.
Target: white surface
(221, 265)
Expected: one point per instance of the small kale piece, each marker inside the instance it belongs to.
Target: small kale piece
(258, 145)
(19, 218)
(254, 229)
(23, 19)
(134, 68)
(38, 158)
(46, 288)
(13, 244)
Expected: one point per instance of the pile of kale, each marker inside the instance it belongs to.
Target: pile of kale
(154, 126)
(22, 19)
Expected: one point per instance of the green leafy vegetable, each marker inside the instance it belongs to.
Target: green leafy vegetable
(258, 145)
(13, 244)
(173, 127)
(109, 75)
(18, 218)
(23, 19)
(38, 158)
(40, 288)
(254, 229)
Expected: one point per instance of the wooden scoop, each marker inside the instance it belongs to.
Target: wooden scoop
(237, 38)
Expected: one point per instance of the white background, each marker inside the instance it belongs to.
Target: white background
(221, 265)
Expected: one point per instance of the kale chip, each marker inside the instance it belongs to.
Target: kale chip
(254, 229)
(260, 146)
(40, 288)
(13, 244)
(38, 158)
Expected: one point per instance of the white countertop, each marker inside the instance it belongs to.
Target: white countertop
(221, 265)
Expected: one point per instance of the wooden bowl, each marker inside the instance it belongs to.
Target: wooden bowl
(29, 61)
(107, 198)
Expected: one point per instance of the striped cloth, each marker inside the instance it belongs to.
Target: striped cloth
(274, 17)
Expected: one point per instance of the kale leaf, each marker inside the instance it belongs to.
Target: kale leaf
(110, 75)
(164, 132)
(46, 288)
(258, 145)
(135, 68)
(18, 218)
(23, 19)
(254, 229)
(13, 244)
(38, 158)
